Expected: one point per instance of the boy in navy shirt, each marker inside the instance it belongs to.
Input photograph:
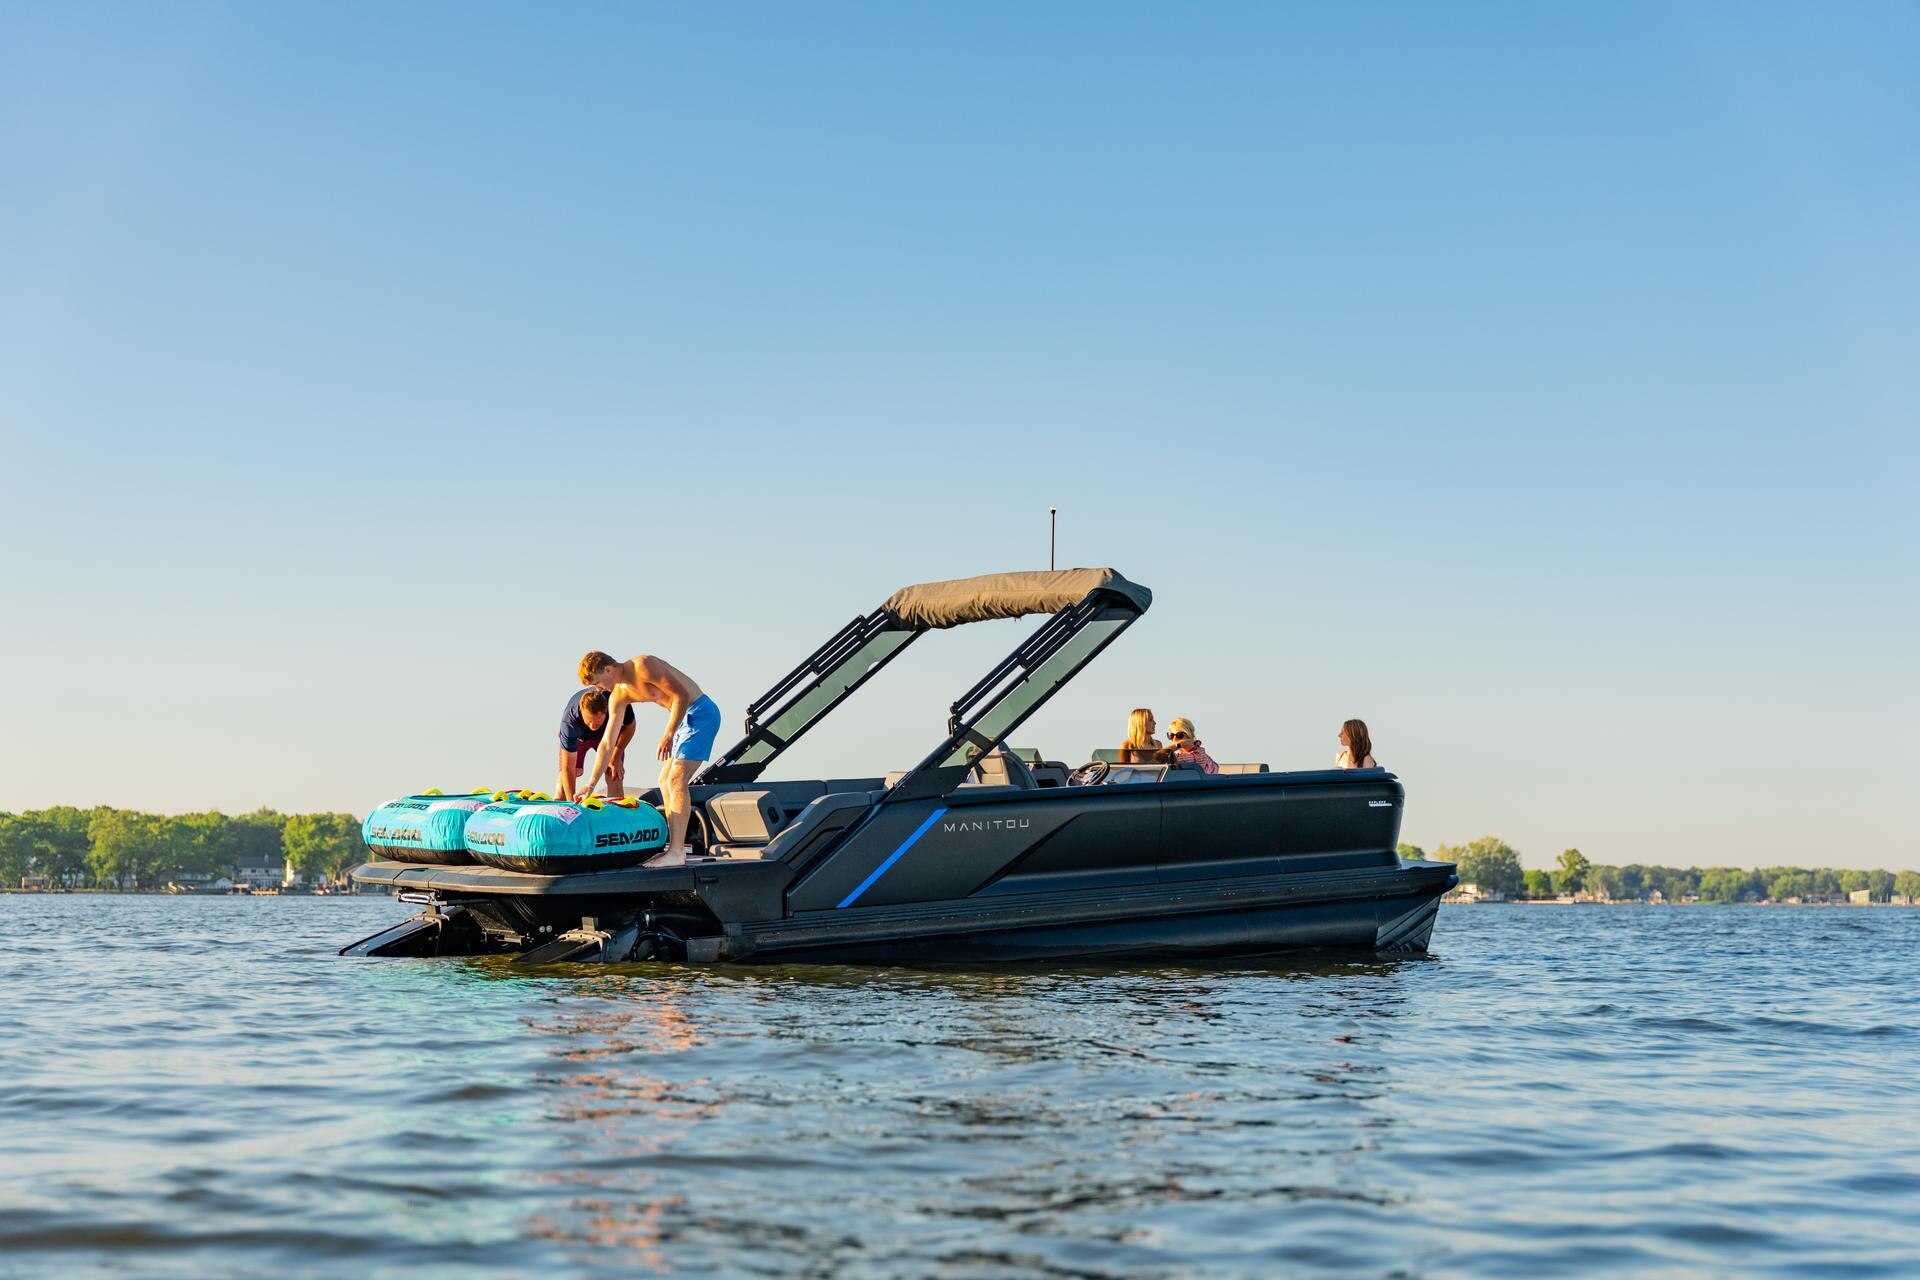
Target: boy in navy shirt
(582, 725)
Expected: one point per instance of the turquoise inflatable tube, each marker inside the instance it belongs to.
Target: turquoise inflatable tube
(556, 838)
(430, 828)
(489, 826)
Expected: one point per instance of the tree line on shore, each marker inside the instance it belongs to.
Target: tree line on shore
(105, 847)
(122, 849)
(1492, 863)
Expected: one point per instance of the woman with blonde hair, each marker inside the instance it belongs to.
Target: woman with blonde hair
(1141, 747)
(1356, 747)
(1187, 749)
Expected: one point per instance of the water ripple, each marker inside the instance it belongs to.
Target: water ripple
(201, 1088)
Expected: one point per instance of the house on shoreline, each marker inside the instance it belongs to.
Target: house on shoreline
(1471, 892)
(259, 870)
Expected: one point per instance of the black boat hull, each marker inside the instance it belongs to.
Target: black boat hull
(1384, 910)
(1398, 925)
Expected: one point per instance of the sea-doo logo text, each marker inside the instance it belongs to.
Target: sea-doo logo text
(1379, 804)
(614, 839)
(394, 834)
(988, 824)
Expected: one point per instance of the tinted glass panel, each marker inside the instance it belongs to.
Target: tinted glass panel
(1023, 697)
(796, 715)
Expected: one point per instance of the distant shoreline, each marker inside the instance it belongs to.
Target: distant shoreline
(162, 893)
(1455, 902)
(1642, 902)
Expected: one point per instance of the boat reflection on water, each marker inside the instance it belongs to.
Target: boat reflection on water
(615, 1119)
(1066, 1102)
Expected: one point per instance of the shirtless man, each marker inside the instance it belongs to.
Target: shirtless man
(693, 721)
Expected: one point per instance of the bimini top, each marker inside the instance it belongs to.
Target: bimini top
(1086, 609)
(1009, 595)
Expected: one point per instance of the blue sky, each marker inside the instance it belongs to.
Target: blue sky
(1539, 384)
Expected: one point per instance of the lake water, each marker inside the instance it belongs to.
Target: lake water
(200, 1087)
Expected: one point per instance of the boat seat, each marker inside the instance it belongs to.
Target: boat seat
(998, 769)
(745, 817)
(1001, 768)
(835, 811)
(1046, 773)
(1051, 773)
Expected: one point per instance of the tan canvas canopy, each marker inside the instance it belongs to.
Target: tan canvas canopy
(1009, 595)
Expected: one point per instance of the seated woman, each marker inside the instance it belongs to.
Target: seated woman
(1187, 748)
(1141, 747)
(1356, 747)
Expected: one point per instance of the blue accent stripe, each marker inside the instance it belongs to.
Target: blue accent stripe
(891, 858)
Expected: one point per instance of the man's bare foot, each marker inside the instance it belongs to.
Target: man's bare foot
(668, 858)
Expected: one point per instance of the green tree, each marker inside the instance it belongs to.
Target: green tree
(257, 834)
(1412, 852)
(1729, 884)
(134, 850)
(16, 848)
(1853, 881)
(1906, 884)
(1789, 883)
(60, 840)
(1539, 884)
(252, 837)
(1489, 862)
(323, 845)
(1633, 881)
(1675, 884)
(194, 846)
(1606, 881)
(210, 841)
(1572, 875)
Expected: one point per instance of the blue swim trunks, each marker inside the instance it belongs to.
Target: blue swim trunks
(693, 740)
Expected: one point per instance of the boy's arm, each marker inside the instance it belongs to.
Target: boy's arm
(676, 712)
(564, 787)
(616, 705)
(618, 767)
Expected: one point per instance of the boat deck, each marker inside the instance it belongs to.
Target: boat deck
(496, 880)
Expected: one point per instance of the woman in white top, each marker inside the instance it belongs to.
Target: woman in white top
(1356, 747)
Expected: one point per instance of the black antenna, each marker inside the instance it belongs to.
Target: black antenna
(1053, 528)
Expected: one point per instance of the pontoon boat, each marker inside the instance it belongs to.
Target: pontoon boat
(978, 853)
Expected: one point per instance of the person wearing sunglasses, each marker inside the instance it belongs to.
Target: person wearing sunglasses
(1187, 748)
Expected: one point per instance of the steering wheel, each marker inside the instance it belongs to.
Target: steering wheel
(1089, 775)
